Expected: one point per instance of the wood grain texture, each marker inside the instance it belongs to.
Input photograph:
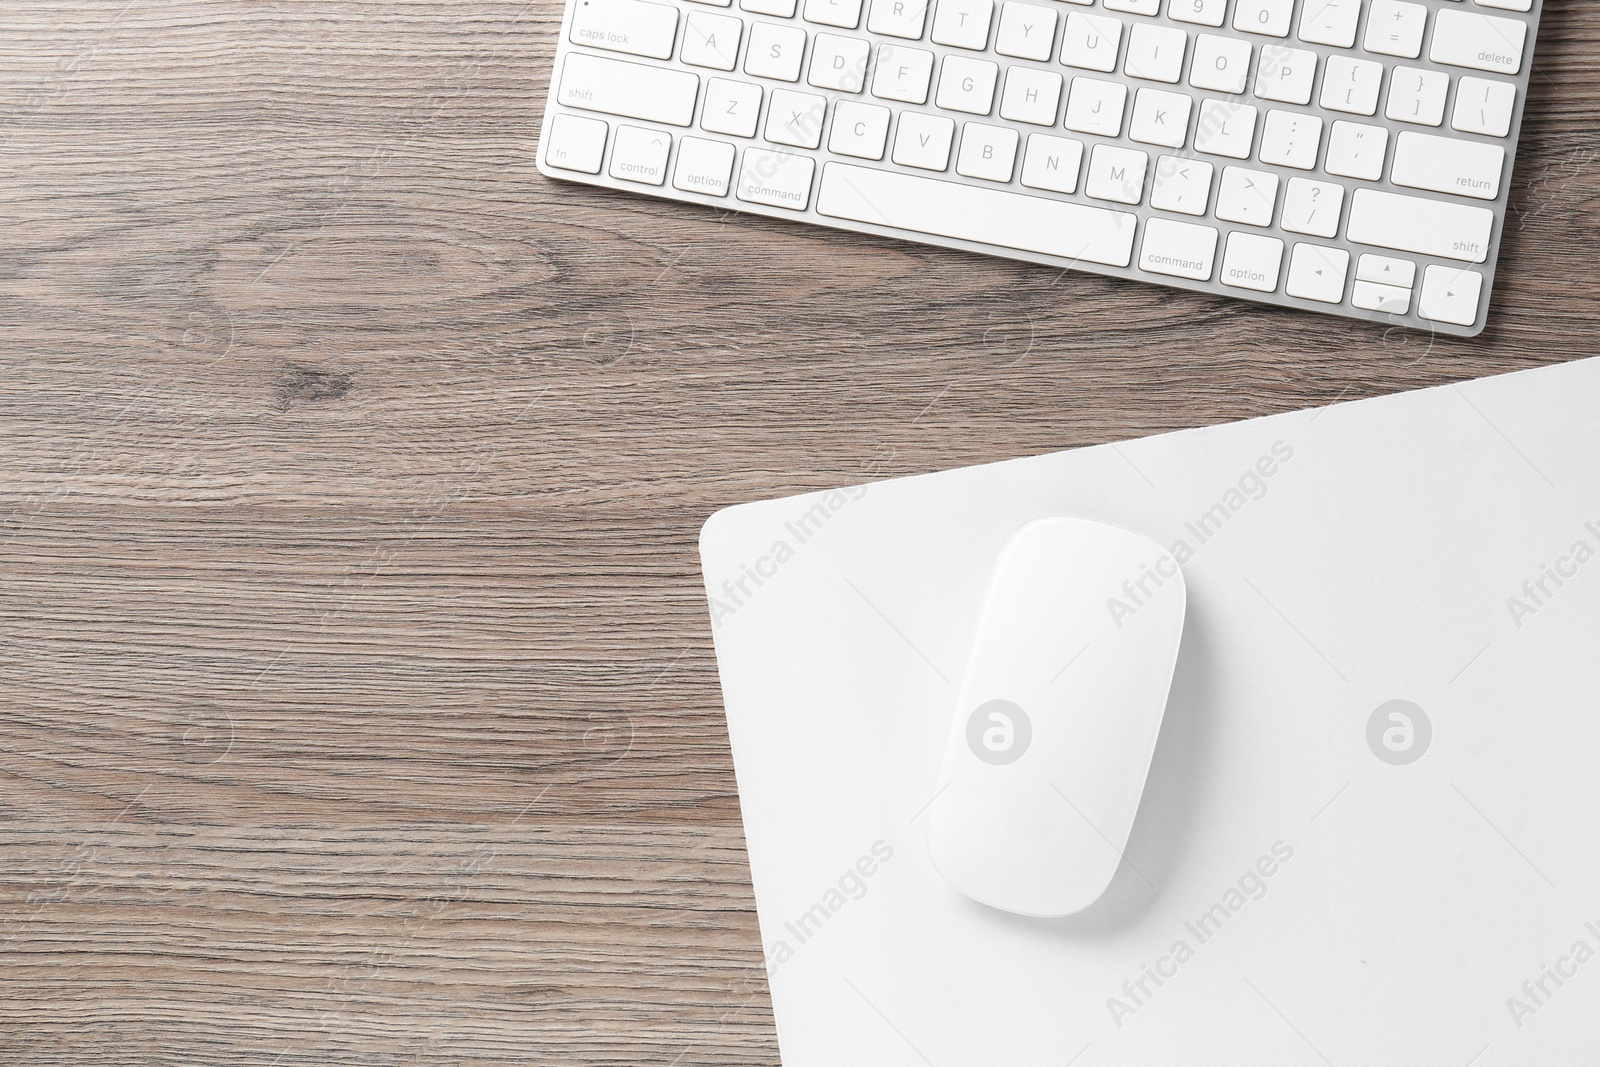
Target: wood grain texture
(359, 703)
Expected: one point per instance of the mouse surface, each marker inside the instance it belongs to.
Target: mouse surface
(1057, 717)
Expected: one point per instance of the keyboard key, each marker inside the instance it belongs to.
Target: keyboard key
(967, 85)
(795, 118)
(1330, 22)
(1181, 185)
(1252, 261)
(923, 141)
(838, 62)
(574, 143)
(640, 155)
(1269, 17)
(632, 26)
(1484, 106)
(1481, 42)
(1291, 140)
(633, 90)
(1094, 106)
(1352, 85)
(1136, 7)
(987, 152)
(1286, 74)
(1372, 296)
(1221, 64)
(783, 9)
(1417, 95)
(846, 14)
(860, 130)
(1247, 196)
(1155, 53)
(1199, 12)
(898, 18)
(1312, 208)
(1422, 226)
(1226, 128)
(703, 166)
(1179, 249)
(778, 179)
(1052, 163)
(711, 40)
(1027, 31)
(1356, 150)
(1116, 174)
(1448, 165)
(731, 107)
(1506, 5)
(1387, 271)
(1395, 28)
(1091, 42)
(1450, 294)
(963, 23)
(971, 213)
(775, 51)
(1317, 273)
(1160, 118)
(1031, 95)
(902, 74)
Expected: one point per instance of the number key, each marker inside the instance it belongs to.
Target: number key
(1200, 12)
(1269, 17)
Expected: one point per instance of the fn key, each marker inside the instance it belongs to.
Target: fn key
(573, 143)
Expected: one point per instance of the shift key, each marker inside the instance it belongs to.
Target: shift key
(654, 94)
(633, 26)
(1425, 227)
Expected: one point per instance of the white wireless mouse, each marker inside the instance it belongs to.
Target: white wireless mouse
(1057, 717)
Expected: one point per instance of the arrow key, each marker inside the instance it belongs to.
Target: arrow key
(1387, 271)
(1450, 294)
(1318, 273)
(1375, 297)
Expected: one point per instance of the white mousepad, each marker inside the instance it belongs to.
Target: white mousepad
(1368, 837)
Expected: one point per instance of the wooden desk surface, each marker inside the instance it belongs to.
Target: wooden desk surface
(359, 701)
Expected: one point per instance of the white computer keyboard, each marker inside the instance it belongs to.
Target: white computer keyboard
(1346, 156)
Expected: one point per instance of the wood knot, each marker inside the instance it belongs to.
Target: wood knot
(310, 385)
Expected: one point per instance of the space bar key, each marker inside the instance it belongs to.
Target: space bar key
(968, 213)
